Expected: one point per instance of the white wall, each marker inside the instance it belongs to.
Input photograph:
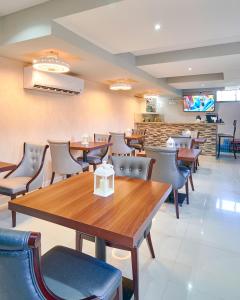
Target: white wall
(34, 116)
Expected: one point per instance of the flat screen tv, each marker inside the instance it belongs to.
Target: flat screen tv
(199, 103)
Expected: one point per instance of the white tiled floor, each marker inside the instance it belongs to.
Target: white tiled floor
(198, 256)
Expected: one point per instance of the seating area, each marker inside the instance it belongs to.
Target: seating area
(119, 161)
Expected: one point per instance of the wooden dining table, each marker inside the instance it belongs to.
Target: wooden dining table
(85, 148)
(120, 219)
(4, 166)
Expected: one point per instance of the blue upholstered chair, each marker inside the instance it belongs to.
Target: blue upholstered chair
(64, 274)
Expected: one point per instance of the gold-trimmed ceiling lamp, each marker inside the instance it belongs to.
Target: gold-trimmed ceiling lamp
(51, 63)
(121, 84)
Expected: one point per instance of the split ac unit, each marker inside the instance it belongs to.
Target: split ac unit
(52, 82)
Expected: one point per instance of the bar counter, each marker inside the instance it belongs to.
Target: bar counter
(159, 132)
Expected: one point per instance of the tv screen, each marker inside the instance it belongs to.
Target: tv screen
(199, 103)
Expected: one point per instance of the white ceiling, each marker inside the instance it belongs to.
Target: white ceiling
(128, 26)
(11, 6)
(208, 65)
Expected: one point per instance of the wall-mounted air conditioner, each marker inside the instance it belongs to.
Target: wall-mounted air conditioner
(51, 82)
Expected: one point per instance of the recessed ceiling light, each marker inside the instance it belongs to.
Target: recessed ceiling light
(157, 27)
(190, 69)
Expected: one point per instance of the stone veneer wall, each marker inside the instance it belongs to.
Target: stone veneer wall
(158, 133)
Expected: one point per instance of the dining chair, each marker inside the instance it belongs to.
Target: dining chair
(185, 142)
(230, 136)
(138, 144)
(167, 170)
(134, 167)
(119, 146)
(95, 157)
(61, 273)
(28, 176)
(63, 163)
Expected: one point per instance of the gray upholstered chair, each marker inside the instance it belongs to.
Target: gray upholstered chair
(138, 144)
(63, 163)
(119, 146)
(95, 157)
(167, 170)
(135, 167)
(28, 175)
(185, 142)
(64, 274)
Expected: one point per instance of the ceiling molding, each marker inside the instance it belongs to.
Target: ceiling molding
(35, 22)
(188, 54)
(196, 78)
(123, 61)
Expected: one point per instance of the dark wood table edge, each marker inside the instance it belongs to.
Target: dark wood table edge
(8, 167)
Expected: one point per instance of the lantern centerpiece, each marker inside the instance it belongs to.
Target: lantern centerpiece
(104, 180)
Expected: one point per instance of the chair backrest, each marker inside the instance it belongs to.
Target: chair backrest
(32, 162)
(234, 128)
(139, 131)
(62, 160)
(182, 142)
(119, 145)
(165, 168)
(100, 137)
(135, 167)
(20, 274)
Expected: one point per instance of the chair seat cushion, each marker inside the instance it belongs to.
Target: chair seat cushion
(137, 146)
(74, 275)
(185, 171)
(94, 160)
(13, 185)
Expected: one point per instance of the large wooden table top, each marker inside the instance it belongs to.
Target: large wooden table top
(6, 166)
(184, 154)
(120, 218)
(90, 146)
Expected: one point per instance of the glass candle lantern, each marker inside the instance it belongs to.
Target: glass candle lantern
(85, 139)
(104, 180)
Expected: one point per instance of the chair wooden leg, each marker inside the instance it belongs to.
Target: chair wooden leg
(234, 150)
(14, 214)
(79, 241)
(135, 271)
(150, 245)
(187, 191)
(52, 178)
(175, 194)
(191, 182)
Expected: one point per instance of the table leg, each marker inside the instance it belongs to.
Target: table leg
(84, 156)
(100, 249)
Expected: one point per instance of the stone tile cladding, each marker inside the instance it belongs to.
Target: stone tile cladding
(158, 133)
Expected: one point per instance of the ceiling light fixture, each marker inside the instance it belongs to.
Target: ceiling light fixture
(120, 86)
(190, 69)
(51, 63)
(157, 27)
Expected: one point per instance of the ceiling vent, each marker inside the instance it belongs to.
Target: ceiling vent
(51, 82)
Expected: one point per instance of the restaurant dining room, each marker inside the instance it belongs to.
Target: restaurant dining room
(120, 150)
